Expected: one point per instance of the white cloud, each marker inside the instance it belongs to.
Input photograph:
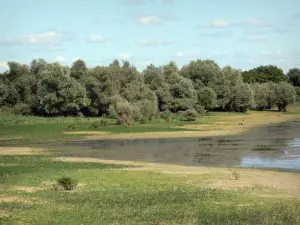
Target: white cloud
(217, 23)
(277, 54)
(255, 38)
(124, 56)
(188, 54)
(149, 20)
(179, 54)
(266, 53)
(56, 48)
(46, 38)
(153, 42)
(256, 23)
(96, 38)
(60, 59)
(3, 65)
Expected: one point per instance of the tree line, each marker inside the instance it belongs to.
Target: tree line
(120, 91)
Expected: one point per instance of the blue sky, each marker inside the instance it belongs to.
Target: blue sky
(240, 33)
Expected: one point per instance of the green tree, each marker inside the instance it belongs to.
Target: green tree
(264, 74)
(58, 93)
(243, 97)
(207, 73)
(183, 94)
(78, 69)
(293, 76)
(285, 95)
(207, 98)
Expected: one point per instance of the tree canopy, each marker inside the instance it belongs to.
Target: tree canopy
(120, 91)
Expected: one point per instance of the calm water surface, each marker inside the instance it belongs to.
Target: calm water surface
(272, 146)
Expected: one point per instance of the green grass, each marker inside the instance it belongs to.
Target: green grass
(108, 195)
(112, 196)
(21, 130)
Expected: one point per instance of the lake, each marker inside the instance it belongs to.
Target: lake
(275, 146)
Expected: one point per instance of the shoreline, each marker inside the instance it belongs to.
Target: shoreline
(219, 128)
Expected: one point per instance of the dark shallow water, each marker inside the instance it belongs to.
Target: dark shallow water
(272, 146)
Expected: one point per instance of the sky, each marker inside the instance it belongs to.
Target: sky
(240, 33)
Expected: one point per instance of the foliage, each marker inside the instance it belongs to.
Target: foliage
(293, 76)
(207, 98)
(124, 112)
(264, 95)
(167, 116)
(67, 183)
(243, 98)
(285, 94)
(122, 92)
(103, 122)
(190, 115)
(21, 109)
(264, 74)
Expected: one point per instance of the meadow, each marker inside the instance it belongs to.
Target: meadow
(120, 192)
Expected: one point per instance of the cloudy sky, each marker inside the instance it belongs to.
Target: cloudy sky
(241, 33)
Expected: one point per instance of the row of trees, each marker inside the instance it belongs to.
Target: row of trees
(121, 91)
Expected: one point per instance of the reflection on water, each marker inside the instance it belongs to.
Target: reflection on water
(273, 146)
(289, 159)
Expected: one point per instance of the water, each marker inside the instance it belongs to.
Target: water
(272, 146)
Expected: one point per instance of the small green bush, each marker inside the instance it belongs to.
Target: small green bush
(104, 122)
(166, 115)
(71, 127)
(67, 183)
(190, 115)
(21, 109)
(100, 123)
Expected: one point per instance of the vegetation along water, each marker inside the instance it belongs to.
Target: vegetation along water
(111, 145)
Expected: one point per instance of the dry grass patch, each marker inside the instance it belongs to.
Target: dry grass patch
(9, 199)
(27, 188)
(3, 213)
(21, 151)
(7, 164)
(233, 204)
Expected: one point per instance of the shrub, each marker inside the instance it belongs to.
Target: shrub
(67, 183)
(104, 122)
(200, 110)
(71, 127)
(166, 115)
(190, 115)
(123, 111)
(21, 109)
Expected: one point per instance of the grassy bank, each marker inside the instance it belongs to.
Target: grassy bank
(115, 194)
(22, 130)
